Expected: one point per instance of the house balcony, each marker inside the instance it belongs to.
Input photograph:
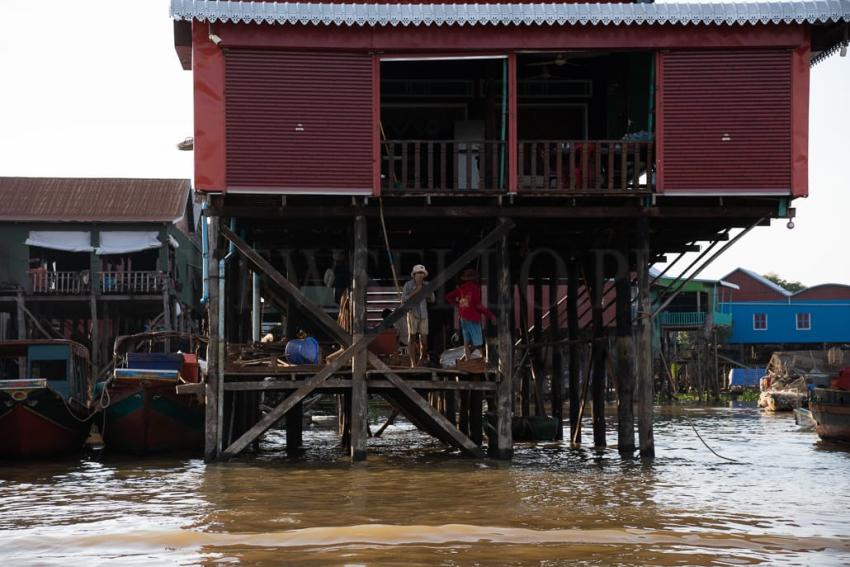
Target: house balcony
(693, 319)
(608, 167)
(136, 282)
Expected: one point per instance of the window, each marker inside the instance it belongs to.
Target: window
(804, 321)
(759, 321)
(49, 369)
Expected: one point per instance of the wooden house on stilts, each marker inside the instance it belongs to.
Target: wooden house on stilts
(561, 148)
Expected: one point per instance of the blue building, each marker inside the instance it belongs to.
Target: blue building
(765, 313)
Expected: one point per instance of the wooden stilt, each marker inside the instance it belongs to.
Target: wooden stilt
(526, 371)
(574, 351)
(557, 364)
(359, 391)
(476, 422)
(537, 357)
(643, 346)
(463, 421)
(22, 333)
(451, 409)
(599, 355)
(212, 441)
(294, 429)
(505, 395)
(625, 365)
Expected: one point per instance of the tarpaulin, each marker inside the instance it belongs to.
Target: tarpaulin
(67, 240)
(122, 242)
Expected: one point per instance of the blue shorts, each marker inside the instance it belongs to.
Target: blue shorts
(471, 332)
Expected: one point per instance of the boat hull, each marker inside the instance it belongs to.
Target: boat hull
(831, 410)
(148, 416)
(37, 423)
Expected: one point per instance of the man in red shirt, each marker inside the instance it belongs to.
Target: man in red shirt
(467, 297)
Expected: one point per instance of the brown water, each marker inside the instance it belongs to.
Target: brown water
(786, 502)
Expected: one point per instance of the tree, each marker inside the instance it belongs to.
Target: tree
(785, 284)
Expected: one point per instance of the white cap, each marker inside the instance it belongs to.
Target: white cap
(419, 269)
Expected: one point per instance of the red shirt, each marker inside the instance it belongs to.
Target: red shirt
(467, 297)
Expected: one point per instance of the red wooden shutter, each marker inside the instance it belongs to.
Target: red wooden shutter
(725, 122)
(298, 122)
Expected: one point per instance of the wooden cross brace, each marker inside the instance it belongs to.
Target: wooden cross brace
(354, 347)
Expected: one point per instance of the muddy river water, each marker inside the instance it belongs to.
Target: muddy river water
(786, 501)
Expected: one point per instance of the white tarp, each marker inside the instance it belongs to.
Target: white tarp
(125, 241)
(67, 240)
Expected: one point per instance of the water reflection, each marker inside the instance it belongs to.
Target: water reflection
(416, 503)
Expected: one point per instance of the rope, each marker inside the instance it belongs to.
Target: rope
(387, 244)
(707, 446)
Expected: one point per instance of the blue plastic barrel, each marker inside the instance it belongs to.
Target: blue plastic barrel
(303, 351)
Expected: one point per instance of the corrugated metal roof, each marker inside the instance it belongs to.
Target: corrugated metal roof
(345, 14)
(56, 199)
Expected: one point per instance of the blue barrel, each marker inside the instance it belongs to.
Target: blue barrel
(303, 351)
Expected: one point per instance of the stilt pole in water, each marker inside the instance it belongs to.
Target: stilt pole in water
(359, 392)
(212, 443)
(597, 289)
(645, 394)
(504, 395)
(625, 363)
(557, 365)
(574, 362)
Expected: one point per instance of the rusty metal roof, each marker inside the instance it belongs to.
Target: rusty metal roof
(62, 199)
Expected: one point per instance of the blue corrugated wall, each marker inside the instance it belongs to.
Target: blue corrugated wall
(830, 322)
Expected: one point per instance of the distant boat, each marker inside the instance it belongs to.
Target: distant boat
(45, 398)
(831, 410)
(143, 413)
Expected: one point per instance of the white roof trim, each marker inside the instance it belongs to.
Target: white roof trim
(344, 14)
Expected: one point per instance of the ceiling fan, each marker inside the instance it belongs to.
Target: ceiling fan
(565, 58)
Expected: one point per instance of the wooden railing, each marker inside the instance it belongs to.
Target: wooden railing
(443, 165)
(586, 166)
(59, 283)
(144, 282)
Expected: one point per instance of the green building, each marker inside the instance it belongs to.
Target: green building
(93, 259)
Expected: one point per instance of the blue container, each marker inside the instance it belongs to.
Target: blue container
(303, 351)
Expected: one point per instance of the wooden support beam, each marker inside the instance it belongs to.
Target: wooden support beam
(294, 429)
(557, 363)
(212, 435)
(574, 349)
(538, 356)
(505, 392)
(458, 439)
(359, 391)
(599, 356)
(356, 345)
(625, 366)
(643, 346)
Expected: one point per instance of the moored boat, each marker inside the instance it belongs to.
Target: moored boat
(830, 408)
(143, 412)
(45, 398)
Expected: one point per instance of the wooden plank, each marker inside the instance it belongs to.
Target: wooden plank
(458, 439)
(643, 345)
(610, 186)
(505, 392)
(343, 383)
(624, 166)
(359, 391)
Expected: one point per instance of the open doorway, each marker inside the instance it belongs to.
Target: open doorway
(443, 124)
(585, 119)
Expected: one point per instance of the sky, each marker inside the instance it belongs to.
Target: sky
(93, 88)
